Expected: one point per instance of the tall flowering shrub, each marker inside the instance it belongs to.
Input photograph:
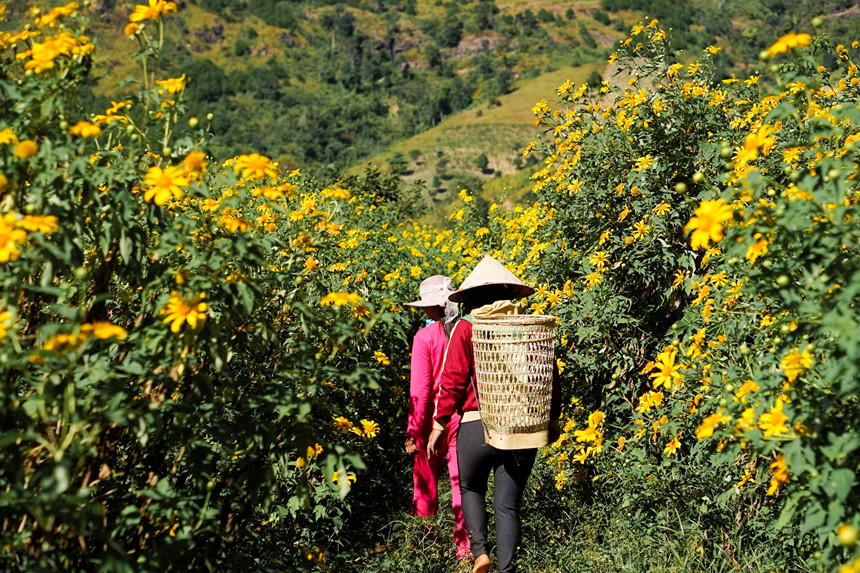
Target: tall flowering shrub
(189, 352)
(703, 239)
(199, 361)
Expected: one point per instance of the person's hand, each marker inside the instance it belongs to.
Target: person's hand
(554, 431)
(433, 442)
(411, 448)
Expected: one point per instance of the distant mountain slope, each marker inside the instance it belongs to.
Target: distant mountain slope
(449, 155)
(319, 82)
(331, 84)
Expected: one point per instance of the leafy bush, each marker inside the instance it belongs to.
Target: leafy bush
(188, 352)
(715, 373)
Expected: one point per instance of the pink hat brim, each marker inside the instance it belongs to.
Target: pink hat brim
(422, 304)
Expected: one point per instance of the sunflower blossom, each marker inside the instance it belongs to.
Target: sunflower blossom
(668, 373)
(672, 447)
(382, 358)
(340, 299)
(780, 474)
(789, 42)
(104, 330)
(42, 223)
(5, 323)
(162, 184)
(85, 129)
(369, 429)
(180, 311)
(773, 423)
(796, 362)
(152, 11)
(709, 424)
(707, 223)
(343, 424)
(10, 238)
(255, 166)
(173, 85)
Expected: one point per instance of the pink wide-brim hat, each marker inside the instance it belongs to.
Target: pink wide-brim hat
(434, 291)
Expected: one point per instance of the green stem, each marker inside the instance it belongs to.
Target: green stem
(203, 509)
(166, 131)
(145, 90)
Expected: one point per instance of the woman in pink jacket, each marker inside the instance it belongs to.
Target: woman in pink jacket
(428, 352)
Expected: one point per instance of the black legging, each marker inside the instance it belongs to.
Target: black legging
(512, 469)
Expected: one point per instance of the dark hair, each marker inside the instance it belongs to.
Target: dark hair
(487, 294)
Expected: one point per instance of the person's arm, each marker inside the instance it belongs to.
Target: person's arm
(456, 375)
(420, 387)
(454, 381)
(555, 405)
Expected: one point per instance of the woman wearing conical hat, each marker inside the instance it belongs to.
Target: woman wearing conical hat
(485, 290)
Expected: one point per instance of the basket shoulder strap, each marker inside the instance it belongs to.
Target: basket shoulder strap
(471, 320)
(468, 318)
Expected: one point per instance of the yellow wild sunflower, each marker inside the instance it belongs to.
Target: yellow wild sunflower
(369, 429)
(180, 311)
(195, 164)
(255, 166)
(44, 224)
(85, 129)
(668, 373)
(164, 184)
(10, 238)
(382, 358)
(7, 137)
(104, 330)
(707, 223)
(5, 323)
(173, 85)
(672, 447)
(709, 424)
(795, 363)
(780, 474)
(154, 10)
(343, 424)
(788, 42)
(26, 149)
(773, 422)
(340, 299)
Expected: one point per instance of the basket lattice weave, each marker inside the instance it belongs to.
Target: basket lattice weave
(514, 359)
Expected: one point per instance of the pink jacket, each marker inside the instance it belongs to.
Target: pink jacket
(428, 352)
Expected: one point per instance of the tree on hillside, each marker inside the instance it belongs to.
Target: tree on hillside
(481, 161)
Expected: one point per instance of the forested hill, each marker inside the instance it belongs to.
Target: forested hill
(323, 83)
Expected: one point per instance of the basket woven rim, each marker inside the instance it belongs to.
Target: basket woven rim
(524, 319)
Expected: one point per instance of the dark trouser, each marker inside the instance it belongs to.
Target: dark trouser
(511, 469)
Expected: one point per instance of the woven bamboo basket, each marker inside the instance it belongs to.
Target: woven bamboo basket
(514, 361)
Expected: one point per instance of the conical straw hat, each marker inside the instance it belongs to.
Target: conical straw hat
(491, 272)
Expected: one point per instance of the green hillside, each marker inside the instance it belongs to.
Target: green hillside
(447, 156)
(431, 86)
(319, 83)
